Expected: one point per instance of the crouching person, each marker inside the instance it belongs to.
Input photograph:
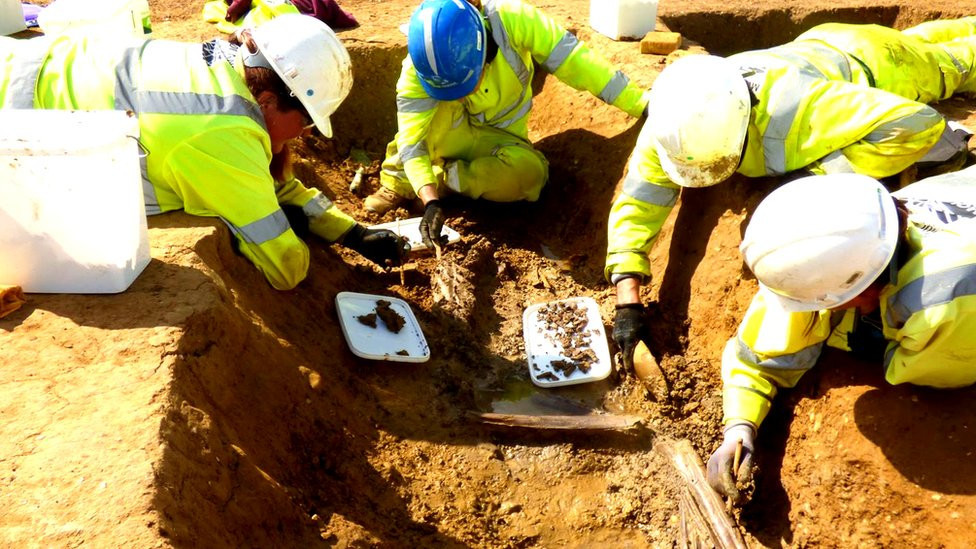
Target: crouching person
(212, 119)
(464, 98)
(843, 262)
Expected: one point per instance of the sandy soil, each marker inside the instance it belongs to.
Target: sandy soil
(202, 408)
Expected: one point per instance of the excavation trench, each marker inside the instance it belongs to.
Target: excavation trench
(255, 425)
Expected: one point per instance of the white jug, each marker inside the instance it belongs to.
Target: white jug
(72, 218)
(104, 17)
(11, 17)
(623, 18)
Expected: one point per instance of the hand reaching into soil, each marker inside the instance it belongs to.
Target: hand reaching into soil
(380, 246)
(432, 224)
(628, 327)
(721, 476)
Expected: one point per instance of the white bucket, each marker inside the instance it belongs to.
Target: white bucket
(72, 217)
(105, 17)
(11, 17)
(623, 18)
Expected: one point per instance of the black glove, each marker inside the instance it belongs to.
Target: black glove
(431, 225)
(380, 246)
(628, 328)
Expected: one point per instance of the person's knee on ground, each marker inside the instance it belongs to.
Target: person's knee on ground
(512, 174)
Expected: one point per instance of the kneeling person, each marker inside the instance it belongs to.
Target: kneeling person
(843, 262)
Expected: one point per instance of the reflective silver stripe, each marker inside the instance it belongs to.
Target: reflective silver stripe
(930, 291)
(959, 66)
(398, 174)
(480, 117)
(504, 44)
(784, 101)
(514, 61)
(25, 69)
(561, 52)
(836, 162)
(413, 151)
(129, 97)
(804, 359)
(912, 124)
(267, 228)
(317, 206)
(950, 143)
(415, 104)
(618, 82)
(648, 192)
(516, 117)
(148, 191)
(802, 64)
(453, 179)
(836, 58)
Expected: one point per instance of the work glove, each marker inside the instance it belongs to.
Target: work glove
(431, 225)
(380, 246)
(720, 475)
(236, 9)
(629, 325)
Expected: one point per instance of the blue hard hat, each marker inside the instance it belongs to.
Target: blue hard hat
(446, 41)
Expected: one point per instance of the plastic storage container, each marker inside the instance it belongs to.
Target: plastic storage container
(623, 18)
(11, 17)
(105, 17)
(377, 341)
(72, 216)
(544, 343)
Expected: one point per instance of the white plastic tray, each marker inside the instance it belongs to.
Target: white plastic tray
(410, 228)
(542, 350)
(380, 343)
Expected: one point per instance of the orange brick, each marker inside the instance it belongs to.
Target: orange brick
(660, 42)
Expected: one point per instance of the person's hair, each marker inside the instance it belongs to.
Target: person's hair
(475, 3)
(259, 79)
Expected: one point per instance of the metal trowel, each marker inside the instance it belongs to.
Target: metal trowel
(650, 374)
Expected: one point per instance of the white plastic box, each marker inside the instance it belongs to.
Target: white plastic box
(543, 350)
(104, 17)
(11, 17)
(623, 18)
(72, 215)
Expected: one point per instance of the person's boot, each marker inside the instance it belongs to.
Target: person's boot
(383, 200)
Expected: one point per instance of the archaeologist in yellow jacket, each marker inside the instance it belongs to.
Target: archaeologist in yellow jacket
(843, 262)
(840, 98)
(463, 102)
(212, 117)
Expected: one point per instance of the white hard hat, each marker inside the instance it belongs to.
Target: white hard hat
(818, 242)
(311, 60)
(699, 109)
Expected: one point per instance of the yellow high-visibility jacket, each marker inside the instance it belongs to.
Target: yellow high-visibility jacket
(207, 147)
(524, 35)
(838, 98)
(928, 313)
(261, 12)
